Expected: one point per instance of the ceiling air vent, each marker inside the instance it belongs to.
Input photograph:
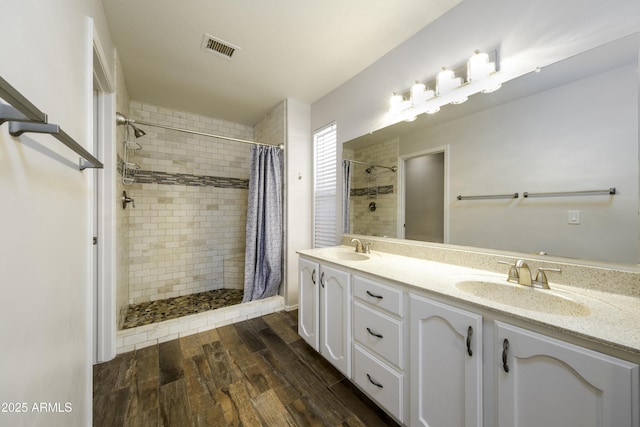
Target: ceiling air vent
(218, 47)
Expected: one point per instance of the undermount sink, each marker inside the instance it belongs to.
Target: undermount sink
(540, 300)
(344, 254)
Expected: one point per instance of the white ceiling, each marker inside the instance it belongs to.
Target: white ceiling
(300, 49)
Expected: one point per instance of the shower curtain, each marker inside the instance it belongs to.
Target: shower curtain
(263, 255)
(346, 192)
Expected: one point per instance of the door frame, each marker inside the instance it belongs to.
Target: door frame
(401, 187)
(104, 284)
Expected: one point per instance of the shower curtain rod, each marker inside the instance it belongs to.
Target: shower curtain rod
(391, 168)
(125, 120)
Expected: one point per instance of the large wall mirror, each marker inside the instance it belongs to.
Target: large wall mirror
(555, 134)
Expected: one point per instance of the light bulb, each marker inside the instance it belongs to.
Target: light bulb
(479, 66)
(446, 81)
(418, 91)
(395, 103)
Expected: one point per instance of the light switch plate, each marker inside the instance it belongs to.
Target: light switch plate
(573, 217)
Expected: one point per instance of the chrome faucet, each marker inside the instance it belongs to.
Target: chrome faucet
(524, 273)
(360, 248)
(521, 273)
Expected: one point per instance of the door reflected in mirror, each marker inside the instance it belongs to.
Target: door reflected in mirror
(424, 208)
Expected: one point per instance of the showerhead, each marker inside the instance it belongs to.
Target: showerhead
(121, 119)
(137, 132)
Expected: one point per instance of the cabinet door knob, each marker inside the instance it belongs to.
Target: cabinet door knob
(469, 334)
(505, 350)
(322, 279)
(374, 295)
(374, 334)
(374, 382)
(313, 276)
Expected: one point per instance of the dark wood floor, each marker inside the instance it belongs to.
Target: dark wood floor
(255, 373)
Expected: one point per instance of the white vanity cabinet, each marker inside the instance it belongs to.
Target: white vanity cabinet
(546, 382)
(324, 310)
(445, 365)
(379, 343)
(424, 357)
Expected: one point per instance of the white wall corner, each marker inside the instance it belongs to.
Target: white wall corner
(299, 173)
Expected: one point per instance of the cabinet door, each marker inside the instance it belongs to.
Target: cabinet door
(445, 366)
(553, 383)
(335, 318)
(308, 300)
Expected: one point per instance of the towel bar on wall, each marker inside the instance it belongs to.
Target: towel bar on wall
(22, 104)
(608, 191)
(23, 117)
(490, 196)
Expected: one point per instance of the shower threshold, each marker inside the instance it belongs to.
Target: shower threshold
(150, 312)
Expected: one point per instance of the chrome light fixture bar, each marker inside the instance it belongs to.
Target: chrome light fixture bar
(482, 76)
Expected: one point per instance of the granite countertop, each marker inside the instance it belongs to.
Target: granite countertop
(607, 318)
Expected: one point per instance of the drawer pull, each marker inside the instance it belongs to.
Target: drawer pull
(374, 334)
(374, 295)
(469, 334)
(373, 382)
(505, 349)
(313, 276)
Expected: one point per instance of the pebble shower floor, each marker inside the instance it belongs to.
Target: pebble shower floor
(171, 308)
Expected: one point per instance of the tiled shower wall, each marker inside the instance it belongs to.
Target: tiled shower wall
(271, 129)
(187, 230)
(379, 187)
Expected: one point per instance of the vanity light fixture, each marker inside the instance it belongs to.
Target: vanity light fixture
(482, 77)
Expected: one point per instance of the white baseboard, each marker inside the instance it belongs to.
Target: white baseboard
(290, 307)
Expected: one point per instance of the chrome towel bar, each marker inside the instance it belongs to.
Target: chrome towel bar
(23, 117)
(22, 104)
(490, 196)
(86, 159)
(610, 191)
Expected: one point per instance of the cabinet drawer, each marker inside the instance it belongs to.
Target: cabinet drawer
(378, 295)
(380, 382)
(379, 333)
